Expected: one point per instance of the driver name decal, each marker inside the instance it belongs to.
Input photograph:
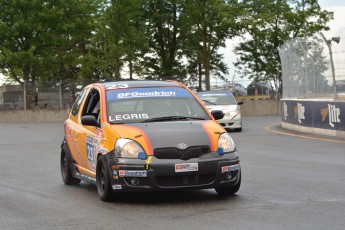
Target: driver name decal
(128, 116)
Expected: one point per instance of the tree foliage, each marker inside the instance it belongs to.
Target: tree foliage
(268, 25)
(100, 40)
(210, 23)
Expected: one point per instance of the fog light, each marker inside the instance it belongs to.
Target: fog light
(134, 181)
(228, 176)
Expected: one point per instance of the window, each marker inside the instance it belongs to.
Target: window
(92, 104)
(139, 104)
(78, 102)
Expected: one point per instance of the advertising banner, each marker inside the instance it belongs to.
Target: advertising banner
(316, 114)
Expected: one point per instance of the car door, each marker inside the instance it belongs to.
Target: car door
(89, 136)
(73, 129)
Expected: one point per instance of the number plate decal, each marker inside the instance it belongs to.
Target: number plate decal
(186, 167)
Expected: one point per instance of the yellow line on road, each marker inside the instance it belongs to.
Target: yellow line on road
(268, 128)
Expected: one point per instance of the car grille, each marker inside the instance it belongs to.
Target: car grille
(226, 124)
(185, 154)
(169, 181)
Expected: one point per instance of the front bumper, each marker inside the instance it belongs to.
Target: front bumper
(231, 122)
(209, 171)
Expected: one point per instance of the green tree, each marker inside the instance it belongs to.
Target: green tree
(210, 23)
(120, 39)
(165, 34)
(268, 25)
(43, 39)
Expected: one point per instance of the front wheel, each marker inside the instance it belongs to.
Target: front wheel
(104, 188)
(226, 191)
(65, 165)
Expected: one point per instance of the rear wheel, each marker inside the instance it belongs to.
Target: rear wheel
(104, 189)
(226, 191)
(65, 165)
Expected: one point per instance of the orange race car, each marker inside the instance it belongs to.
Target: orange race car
(147, 136)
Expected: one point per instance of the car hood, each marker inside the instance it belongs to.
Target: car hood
(153, 135)
(224, 108)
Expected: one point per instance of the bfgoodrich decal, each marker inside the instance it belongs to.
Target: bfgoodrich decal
(147, 93)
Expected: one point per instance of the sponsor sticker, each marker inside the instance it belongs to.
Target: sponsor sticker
(131, 116)
(186, 167)
(159, 92)
(117, 186)
(215, 94)
(230, 168)
(131, 173)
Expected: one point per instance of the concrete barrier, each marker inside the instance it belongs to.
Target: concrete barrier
(265, 107)
(325, 117)
(33, 116)
(249, 108)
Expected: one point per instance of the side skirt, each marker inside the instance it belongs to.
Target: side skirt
(81, 176)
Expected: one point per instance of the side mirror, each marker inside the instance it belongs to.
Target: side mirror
(217, 114)
(89, 120)
(240, 103)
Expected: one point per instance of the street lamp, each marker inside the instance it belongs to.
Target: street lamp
(328, 42)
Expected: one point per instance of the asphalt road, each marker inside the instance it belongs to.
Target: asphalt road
(288, 182)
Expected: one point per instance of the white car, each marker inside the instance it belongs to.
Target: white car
(226, 102)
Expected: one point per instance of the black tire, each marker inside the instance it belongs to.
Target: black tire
(65, 165)
(226, 191)
(104, 188)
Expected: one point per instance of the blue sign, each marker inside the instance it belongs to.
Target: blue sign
(215, 94)
(163, 92)
(316, 114)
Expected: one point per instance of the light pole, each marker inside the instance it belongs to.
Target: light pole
(328, 42)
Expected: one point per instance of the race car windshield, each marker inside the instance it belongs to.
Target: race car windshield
(153, 105)
(217, 98)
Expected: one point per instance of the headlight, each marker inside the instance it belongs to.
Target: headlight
(234, 113)
(225, 144)
(129, 149)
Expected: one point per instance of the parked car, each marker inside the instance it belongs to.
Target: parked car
(133, 136)
(226, 102)
(259, 88)
(236, 88)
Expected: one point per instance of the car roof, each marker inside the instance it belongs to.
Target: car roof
(142, 83)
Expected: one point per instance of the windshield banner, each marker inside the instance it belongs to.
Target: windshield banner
(214, 94)
(147, 92)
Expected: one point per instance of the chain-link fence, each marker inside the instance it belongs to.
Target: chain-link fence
(40, 95)
(314, 67)
(55, 94)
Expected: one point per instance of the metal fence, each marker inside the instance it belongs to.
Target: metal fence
(40, 95)
(48, 94)
(314, 67)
